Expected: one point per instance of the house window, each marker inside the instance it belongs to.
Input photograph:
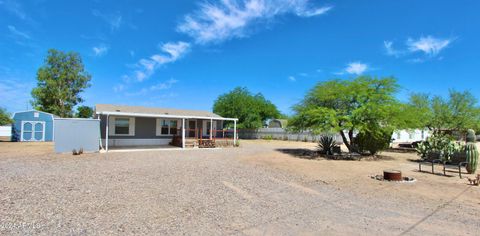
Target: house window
(164, 128)
(411, 135)
(122, 125)
(173, 127)
(167, 127)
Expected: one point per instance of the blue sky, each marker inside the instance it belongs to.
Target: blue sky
(183, 54)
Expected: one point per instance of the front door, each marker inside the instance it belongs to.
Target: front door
(33, 131)
(192, 126)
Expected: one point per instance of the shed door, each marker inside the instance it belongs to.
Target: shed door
(33, 131)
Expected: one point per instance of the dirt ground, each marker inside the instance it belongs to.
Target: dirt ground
(261, 188)
(353, 175)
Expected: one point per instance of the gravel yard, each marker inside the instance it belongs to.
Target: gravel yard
(256, 189)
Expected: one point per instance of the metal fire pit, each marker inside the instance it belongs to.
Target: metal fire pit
(392, 175)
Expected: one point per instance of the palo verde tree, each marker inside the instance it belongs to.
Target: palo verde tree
(252, 110)
(459, 111)
(365, 105)
(5, 117)
(60, 81)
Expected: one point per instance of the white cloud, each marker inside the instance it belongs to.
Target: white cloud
(390, 50)
(153, 88)
(314, 12)
(292, 78)
(114, 20)
(217, 22)
(17, 33)
(165, 85)
(118, 88)
(429, 45)
(14, 93)
(15, 8)
(170, 52)
(356, 68)
(100, 50)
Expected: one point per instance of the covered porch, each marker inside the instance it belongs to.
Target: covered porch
(121, 130)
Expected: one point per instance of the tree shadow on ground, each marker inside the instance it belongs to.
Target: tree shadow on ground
(304, 153)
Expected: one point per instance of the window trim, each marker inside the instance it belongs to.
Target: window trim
(158, 127)
(112, 129)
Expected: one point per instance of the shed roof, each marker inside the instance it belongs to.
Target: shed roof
(153, 111)
(18, 112)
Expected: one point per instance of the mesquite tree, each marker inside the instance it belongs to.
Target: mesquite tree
(364, 105)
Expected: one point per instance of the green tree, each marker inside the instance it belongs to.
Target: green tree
(5, 117)
(251, 110)
(84, 112)
(458, 112)
(365, 105)
(60, 81)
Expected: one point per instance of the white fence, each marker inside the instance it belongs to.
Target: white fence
(5, 131)
(399, 136)
(282, 134)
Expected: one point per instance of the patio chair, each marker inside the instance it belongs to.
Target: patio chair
(458, 160)
(430, 160)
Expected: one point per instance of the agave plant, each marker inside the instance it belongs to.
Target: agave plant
(326, 144)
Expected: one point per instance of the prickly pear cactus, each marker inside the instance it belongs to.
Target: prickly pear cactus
(472, 152)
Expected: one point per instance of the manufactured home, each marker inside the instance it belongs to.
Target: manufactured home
(136, 126)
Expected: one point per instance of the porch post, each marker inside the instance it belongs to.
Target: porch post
(183, 133)
(234, 132)
(211, 128)
(106, 136)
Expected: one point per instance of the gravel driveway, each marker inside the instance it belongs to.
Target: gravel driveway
(201, 192)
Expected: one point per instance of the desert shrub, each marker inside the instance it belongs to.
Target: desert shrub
(326, 144)
(444, 145)
(268, 137)
(372, 142)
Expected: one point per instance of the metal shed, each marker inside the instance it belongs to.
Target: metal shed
(32, 126)
(76, 133)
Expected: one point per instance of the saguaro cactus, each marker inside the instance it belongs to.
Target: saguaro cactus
(472, 152)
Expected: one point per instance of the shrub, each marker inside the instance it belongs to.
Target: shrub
(372, 142)
(442, 144)
(268, 137)
(326, 144)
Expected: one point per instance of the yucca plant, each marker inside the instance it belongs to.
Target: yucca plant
(326, 144)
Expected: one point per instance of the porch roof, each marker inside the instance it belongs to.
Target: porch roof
(138, 111)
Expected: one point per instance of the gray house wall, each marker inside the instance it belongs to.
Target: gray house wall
(145, 128)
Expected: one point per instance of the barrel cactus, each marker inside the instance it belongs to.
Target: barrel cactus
(472, 152)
